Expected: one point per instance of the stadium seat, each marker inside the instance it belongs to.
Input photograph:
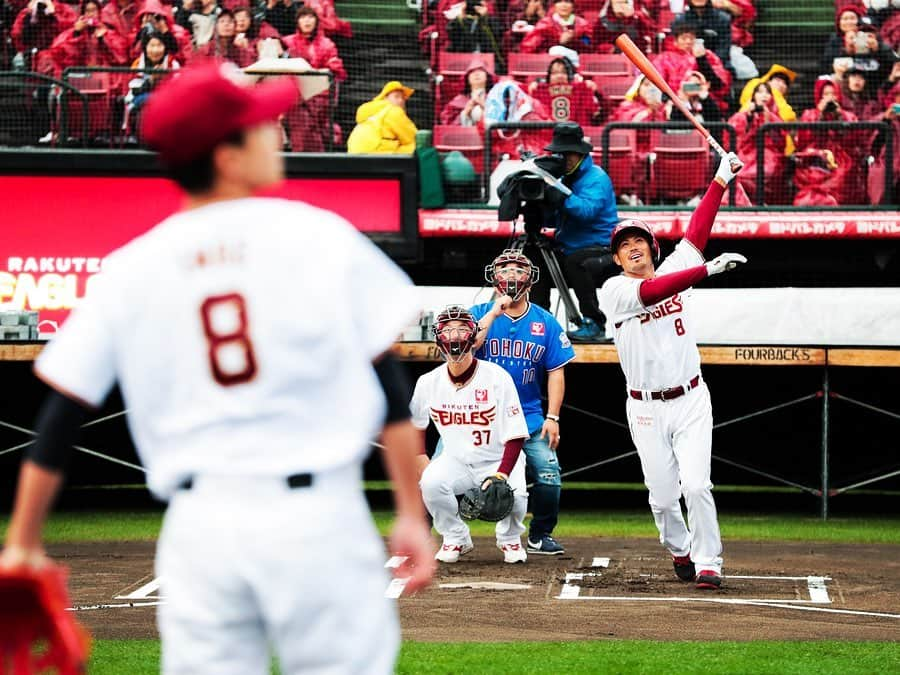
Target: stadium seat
(679, 165)
(523, 66)
(467, 140)
(97, 87)
(626, 168)
(456, 63)
(605, 64)
(614, 87)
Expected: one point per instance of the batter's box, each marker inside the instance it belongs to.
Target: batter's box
(640, 580)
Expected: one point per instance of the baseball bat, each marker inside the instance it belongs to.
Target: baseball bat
(638, 58)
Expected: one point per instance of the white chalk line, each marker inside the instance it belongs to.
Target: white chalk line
(85, 608)
(805, 605)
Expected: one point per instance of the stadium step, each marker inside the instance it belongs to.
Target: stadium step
(783, 16)
(370, 16)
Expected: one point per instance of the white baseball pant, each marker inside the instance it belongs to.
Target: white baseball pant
(674, 442)
(247, 563)
(447, 476)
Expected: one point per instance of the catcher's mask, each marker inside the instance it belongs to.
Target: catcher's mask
(633, 226)
(512, 273)
(454, 332)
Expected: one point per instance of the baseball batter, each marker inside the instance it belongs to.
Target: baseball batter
(668, 405)
(475, 408)
(528, 342)
(251, 423)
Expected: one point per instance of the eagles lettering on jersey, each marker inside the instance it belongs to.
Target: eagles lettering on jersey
(671, 306)
(446, 418)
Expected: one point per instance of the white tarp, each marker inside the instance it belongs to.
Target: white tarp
(772, 316)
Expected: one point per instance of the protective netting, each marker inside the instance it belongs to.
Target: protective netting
(479, 69)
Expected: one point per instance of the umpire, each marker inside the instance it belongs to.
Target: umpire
(583, 227)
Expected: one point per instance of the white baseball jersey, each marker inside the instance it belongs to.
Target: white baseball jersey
(475, 421)
(656, 347)
(235, 331)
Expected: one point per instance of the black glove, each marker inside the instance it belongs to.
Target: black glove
(492, 501)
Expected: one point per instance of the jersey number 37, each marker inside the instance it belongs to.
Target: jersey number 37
(230, 350)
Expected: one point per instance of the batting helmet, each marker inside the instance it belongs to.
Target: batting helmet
(513, 287)
(634, 226)
(455, 341)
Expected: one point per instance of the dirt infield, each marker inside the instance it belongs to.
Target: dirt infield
(600, 588)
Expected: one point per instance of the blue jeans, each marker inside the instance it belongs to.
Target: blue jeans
(543, 472)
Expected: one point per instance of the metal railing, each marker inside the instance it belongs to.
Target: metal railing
(42, 90)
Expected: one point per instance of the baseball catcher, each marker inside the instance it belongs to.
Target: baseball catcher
(33, 613)
(476, 410)
(491, 502)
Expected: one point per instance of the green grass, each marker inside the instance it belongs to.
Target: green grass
(113, 657)
(145, 525)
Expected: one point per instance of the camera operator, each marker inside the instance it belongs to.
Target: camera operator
(583, 225)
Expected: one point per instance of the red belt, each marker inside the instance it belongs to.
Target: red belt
(665, 394)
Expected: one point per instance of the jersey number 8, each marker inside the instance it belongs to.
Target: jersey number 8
(231, 357)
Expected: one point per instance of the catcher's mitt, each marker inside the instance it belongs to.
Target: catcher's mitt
(492, 501)
(33, 604)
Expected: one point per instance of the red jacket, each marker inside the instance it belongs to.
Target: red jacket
(328, 18)
(639, 27)
(674, 65)
(226, 50)
(319, 51)
(120, 14)
(568, 102)
(548, 31)
(40, 33)
(83, 49)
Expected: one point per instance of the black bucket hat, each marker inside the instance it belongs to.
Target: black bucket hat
(569, 137)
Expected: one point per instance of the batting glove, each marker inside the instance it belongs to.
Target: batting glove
(724, 263)
(729, 167)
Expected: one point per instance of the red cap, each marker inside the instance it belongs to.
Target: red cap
(203, 104)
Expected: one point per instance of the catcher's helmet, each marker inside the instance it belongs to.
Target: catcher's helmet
(634, 226)
(455, 341)
(513, 287)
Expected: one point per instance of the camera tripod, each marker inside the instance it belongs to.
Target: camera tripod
(543, 243)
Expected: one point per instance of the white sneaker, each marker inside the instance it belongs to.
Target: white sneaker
(450, 553)
(513, 553)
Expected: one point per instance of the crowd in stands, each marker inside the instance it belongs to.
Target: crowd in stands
(51, 36)
(698, 47)
(533, 60)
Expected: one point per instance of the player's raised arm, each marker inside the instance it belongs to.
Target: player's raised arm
(705, 214)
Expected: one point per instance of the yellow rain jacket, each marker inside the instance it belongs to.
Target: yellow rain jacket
(382, 127)
(784, 108)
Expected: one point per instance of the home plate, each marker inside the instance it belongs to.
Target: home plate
(489, 586)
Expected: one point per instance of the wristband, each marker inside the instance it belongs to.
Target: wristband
(555, 418)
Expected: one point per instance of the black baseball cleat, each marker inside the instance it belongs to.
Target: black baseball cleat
(684, 568)
(709, 580)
